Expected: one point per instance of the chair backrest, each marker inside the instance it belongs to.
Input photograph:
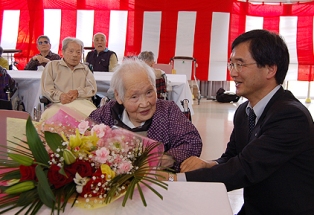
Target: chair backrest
(161, 88)
(4, 115)
(167, 68)
(184, 65)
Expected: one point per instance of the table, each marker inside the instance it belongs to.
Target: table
(29, 87)
(182, 198)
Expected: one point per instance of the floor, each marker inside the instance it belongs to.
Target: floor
(214, 122)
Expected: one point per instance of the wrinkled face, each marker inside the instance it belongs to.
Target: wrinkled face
(250, 80)
(72, 54)
(99, 42)
(140, 97)
(43, 45)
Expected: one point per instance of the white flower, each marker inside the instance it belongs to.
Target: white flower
(80, 182)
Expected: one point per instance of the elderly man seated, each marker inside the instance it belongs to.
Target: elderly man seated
(101, 59)
(137, 108)
(68, 82)
(44, 56)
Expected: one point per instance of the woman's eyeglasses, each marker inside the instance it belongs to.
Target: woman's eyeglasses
(43, 42)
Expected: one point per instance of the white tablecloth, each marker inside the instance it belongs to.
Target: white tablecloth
(182, 198)
(29, 87)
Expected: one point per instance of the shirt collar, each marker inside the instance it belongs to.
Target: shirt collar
(260, 106)
(106, 50)
(126, 120)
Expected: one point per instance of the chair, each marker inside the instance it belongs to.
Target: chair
(167, 68)
(4, 115)
(187, 65)
(161, 87)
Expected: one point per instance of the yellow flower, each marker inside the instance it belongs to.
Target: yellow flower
(105, 169)
(75, 140)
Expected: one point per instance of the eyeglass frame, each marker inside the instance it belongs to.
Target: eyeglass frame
(238, 66)
(42, 42)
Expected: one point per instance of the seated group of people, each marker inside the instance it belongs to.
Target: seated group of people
(274, 163)
(68, 82)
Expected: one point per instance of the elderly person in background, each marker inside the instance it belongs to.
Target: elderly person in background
(45, 55)
(3, 62)
(149, 59)
(101, 59)
(161, 79)
(67, 81)
(137, 109)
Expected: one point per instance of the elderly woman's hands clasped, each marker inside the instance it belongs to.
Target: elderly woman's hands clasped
(193, 163)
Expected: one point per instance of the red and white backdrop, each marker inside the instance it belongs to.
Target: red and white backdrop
(201, 29)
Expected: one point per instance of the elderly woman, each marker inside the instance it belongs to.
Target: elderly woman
(68, 82)
(137, 109)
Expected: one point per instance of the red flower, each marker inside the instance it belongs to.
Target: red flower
(27, 173)
(94, 187)
(81, 167)
(57, 179)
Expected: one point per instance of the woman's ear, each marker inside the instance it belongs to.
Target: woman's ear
(117, 97)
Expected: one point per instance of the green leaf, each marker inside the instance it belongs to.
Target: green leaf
(26, 198)
(141, 194)
(53, 140)
(44, 191)
(35, 144)
(15, 174)
(22, 159)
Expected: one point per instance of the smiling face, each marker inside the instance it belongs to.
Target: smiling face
(252, 82)
(139, 98)
(99, 42)
(72, 54)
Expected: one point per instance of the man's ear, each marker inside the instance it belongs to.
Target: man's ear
(272, 70)
(116, 95)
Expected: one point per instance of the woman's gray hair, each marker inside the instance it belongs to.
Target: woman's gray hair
(129, 66)
(147, 56)
(68, 40)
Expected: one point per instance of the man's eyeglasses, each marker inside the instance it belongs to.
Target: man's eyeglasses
(43, 42)
(238, 66)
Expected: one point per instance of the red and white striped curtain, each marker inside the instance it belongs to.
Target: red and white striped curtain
(200, 28)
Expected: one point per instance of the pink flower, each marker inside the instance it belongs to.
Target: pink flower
(100, 130)
(124, 167)
(102, 155)
(83, 126)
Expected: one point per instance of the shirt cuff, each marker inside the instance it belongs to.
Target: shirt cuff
(181, 177)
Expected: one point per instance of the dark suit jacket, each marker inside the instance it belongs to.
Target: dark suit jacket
(275, 166)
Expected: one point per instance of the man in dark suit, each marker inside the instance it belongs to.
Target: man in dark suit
(274, 163)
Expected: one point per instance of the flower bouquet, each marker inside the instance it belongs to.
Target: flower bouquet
(87, 166)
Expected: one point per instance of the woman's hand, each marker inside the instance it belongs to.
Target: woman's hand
(193, 163)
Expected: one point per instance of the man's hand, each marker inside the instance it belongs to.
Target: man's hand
(41, 59)
(193, 163)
